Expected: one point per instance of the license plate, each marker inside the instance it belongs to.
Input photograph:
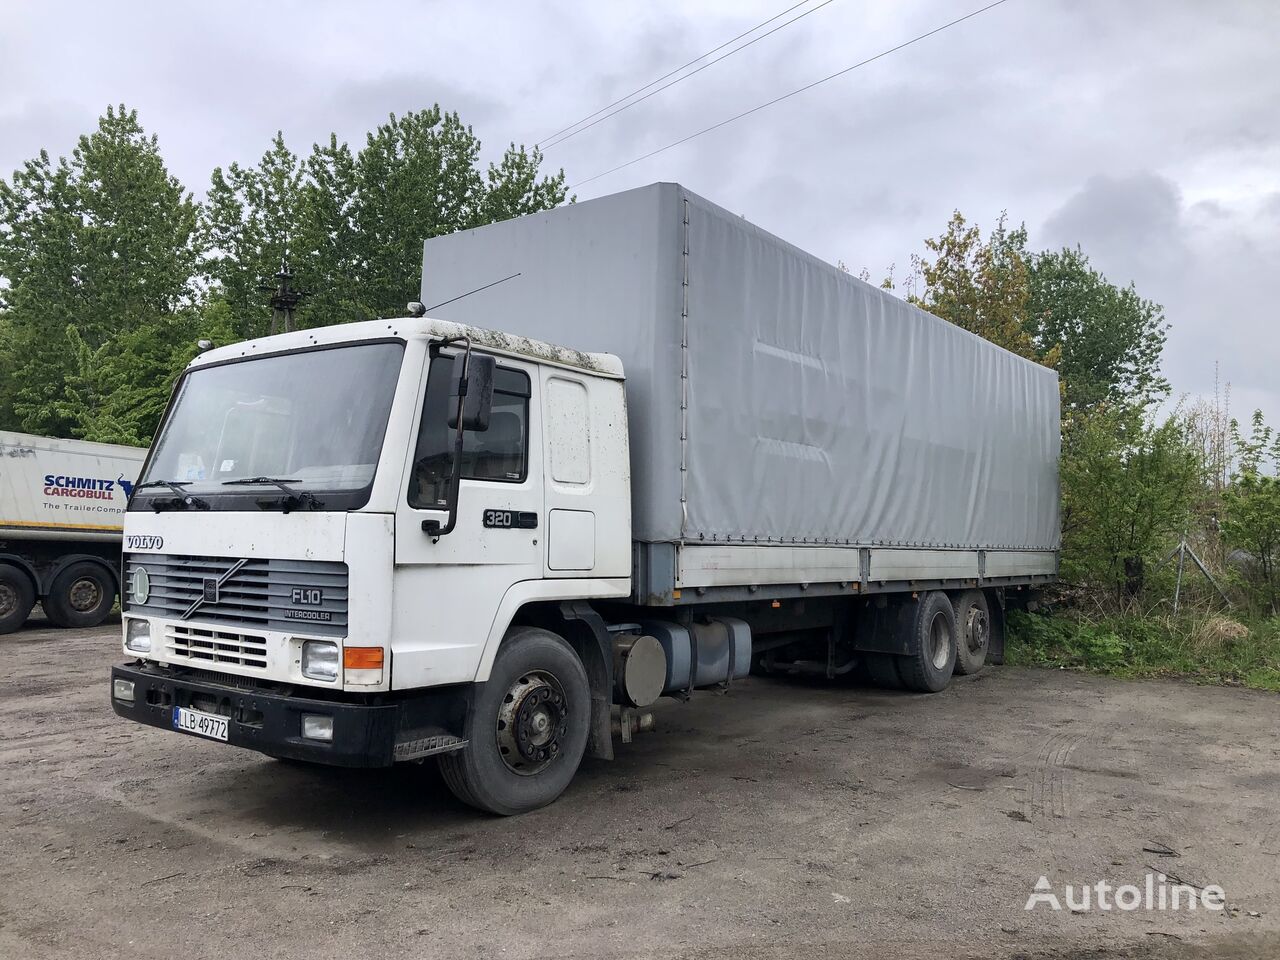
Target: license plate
(201, 724)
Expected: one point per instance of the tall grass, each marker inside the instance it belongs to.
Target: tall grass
(1204, 648)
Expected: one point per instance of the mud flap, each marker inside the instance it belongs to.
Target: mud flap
(586, 631)
(995, 610)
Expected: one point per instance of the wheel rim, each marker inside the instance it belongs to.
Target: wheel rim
(939, 641)
(85, 595)
(977, 630)
(8, 600)
(532, 723)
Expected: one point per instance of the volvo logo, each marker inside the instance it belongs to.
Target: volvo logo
(144, 543)
(140, 585)
(211, 587)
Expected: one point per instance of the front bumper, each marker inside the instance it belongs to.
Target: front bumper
(270, 721)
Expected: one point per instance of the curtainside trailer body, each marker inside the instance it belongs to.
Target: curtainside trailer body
(790, 424)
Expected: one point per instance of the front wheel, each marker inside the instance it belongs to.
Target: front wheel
(528, 729)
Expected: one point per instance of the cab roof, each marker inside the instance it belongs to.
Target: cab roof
(425, 328)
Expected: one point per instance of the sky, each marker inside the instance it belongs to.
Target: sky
(1145, 131)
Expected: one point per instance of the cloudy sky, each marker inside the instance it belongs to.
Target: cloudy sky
(1147, 131)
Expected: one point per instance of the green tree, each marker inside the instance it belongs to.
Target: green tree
(103, 242)
(118, 392)
(1110, 338)
(331, 261)
(353, 223)
(983, 287)
(1251, 504)
(1129, 485)
(513, 188)
(250, 223)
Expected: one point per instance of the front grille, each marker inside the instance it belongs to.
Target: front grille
(303, 596)
(215, 646)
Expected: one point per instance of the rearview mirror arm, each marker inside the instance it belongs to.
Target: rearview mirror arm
(432, 527)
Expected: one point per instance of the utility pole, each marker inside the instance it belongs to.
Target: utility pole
(284, 299)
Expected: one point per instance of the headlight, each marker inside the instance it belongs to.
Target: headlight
(137, 635)
(317, 726)
(320, 660)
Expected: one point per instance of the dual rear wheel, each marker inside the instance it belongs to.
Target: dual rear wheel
(81, 595)
(943, 636)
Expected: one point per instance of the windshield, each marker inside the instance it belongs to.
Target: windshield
(313, 419)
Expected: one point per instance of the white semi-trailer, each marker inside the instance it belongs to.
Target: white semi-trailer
(62, 505)
(468, 537)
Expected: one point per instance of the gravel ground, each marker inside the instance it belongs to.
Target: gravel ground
(781, 819)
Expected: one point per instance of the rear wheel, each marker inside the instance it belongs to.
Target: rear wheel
(528, 729)
(17, 597)
(81, 596)
(973, 631)
(932, 645)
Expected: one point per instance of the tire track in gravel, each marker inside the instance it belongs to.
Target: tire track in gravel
(1048, 794)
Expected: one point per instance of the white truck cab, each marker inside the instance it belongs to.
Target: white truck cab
(301, 543)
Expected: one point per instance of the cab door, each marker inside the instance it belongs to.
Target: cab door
(587, 476)
(448, 588)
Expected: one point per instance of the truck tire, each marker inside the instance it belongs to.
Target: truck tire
(81, 596)
(527, 730)
(928, 666)
(17, 597)
(973, 631)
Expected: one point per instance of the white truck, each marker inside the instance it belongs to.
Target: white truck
(62, 505)
(466, 537)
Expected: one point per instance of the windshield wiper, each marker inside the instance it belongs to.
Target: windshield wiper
(294, 500)
(183, 499)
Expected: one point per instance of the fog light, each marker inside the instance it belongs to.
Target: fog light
(122, 690)
(137, 636)
(316, 726)
(320, 660)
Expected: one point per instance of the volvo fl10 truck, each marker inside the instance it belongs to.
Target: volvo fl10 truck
(62, 505)
(640, 448)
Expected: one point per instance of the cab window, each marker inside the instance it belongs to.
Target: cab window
(499, 453)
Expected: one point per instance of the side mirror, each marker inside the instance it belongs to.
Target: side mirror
(473, 383)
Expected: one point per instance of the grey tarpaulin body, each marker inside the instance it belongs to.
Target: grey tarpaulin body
(773, 398)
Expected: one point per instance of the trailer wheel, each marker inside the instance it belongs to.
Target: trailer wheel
(527, 730)
(81, 596)
(882, 669)
(932, 645)
(17, 597)
(973, 631)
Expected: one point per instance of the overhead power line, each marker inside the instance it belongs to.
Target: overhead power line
(671, 74)
(591, 119)
(787, 96)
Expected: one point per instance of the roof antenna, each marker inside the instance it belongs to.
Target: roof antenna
(415, 305)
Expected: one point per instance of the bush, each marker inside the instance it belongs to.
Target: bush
(1206, 649)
